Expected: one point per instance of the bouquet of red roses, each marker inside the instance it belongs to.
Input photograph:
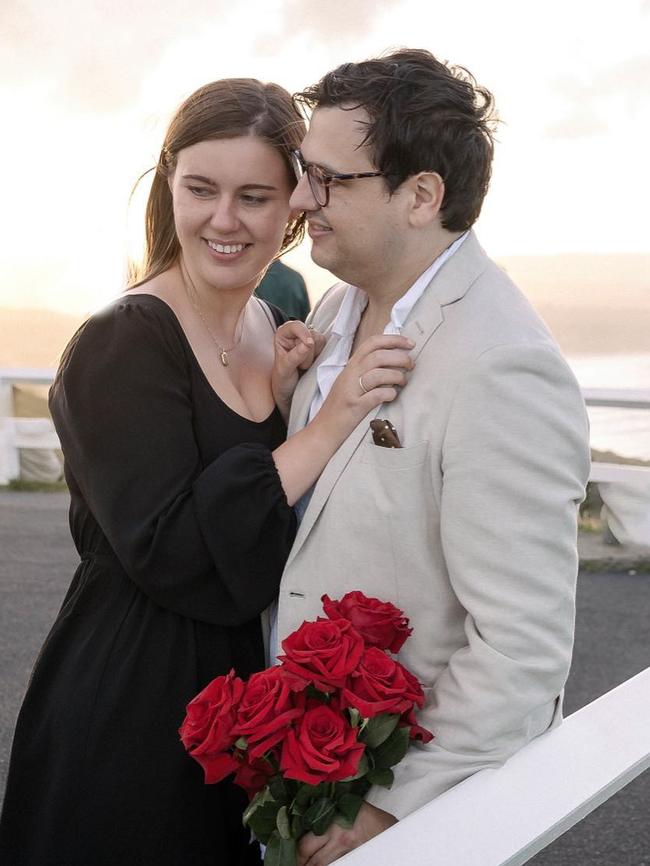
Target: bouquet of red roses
(308, 737)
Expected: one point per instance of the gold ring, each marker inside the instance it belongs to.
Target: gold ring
(362, 386)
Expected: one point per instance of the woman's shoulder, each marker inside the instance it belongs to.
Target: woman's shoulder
(132, 327)
(132, 313)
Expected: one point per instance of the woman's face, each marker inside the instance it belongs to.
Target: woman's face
(231, 208)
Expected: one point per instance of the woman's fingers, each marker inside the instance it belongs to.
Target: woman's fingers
(294, 333)
(387, 358)
(378, 377)
(380, 342)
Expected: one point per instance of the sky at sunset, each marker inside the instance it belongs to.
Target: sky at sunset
(87, 88)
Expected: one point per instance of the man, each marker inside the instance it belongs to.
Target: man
(285, 287)
(470, 526)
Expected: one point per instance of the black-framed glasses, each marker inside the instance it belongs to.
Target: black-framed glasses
(321, 180)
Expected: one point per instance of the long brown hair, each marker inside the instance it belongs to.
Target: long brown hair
(228, 108)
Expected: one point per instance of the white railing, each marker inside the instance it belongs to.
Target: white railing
(504, 817)
(17, 433)
(620, 398)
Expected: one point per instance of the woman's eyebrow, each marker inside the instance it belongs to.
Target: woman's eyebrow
(202, 179)
(258, 186)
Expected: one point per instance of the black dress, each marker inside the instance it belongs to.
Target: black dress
(183, 529)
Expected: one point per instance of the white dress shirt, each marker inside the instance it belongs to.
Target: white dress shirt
(345, 327)
(349, 315)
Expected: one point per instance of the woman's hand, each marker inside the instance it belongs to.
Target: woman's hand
(296, 347)
(373, 375)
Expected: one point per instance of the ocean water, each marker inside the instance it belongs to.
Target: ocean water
(625, 431)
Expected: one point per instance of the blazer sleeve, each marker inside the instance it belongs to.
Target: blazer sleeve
(206, 541)
(515, 462)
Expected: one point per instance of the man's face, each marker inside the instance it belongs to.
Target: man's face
(359, 234)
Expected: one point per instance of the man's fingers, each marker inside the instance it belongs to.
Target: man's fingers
(308, 845)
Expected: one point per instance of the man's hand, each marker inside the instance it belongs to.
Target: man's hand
(336, 841)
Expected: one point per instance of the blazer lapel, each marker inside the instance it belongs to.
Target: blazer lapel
(448, 285)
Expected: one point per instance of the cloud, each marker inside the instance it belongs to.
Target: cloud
(591, 106)
(341, 22)
(94, 55)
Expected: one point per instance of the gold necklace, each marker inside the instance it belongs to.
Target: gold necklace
(223, 351)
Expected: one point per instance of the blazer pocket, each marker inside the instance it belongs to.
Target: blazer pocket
(395, 458)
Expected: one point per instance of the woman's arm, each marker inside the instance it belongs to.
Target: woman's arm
(384, 362)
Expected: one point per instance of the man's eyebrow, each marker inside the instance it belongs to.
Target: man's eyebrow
(329, 169)
(202, 179)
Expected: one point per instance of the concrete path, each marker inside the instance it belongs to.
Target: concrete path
(37, 560)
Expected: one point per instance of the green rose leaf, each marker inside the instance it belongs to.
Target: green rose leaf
(392, 750)
(258, 800)
(320, 815)
(280, 852)
(261, 815)
(348, 805)
(306, 794)
(282, 823)
(279, 789)
(297, 828)
(379, 729)
(381, 776)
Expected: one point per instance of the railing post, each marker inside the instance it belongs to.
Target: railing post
(9, 457)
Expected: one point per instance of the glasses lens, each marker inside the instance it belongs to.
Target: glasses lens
(317, 184)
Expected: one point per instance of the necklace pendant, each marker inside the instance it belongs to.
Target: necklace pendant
(224, 358)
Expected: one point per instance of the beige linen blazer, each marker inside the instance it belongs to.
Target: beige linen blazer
(470, 528)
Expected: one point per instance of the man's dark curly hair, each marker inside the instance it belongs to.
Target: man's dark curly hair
(424, 115)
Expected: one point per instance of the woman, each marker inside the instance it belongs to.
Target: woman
(181, 492)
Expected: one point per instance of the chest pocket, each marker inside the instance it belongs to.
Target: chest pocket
(395, 459)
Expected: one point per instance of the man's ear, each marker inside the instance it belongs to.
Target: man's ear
(428, 194)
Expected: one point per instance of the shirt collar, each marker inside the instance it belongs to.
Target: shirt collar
(355, 300)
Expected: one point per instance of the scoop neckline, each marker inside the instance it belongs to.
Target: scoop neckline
(198, 366)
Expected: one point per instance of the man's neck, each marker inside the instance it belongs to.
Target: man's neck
(383, 295)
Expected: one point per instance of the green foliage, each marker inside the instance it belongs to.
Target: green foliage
(379, 729)
(17, 485)
(392, 750)
(348, 806)
(282, 823)
(383, 776)
(280, 851)
(320, 815)
(262, 815)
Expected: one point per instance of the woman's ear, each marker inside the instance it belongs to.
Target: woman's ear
(428, 194)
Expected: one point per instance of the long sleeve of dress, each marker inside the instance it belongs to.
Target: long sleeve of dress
(206, 540)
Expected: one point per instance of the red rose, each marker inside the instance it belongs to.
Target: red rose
(381, 685)
(323, 653)
(207, 731)
(321, 747)
(416, 732)
(252, 774)
(380, 623)
(266, 710)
